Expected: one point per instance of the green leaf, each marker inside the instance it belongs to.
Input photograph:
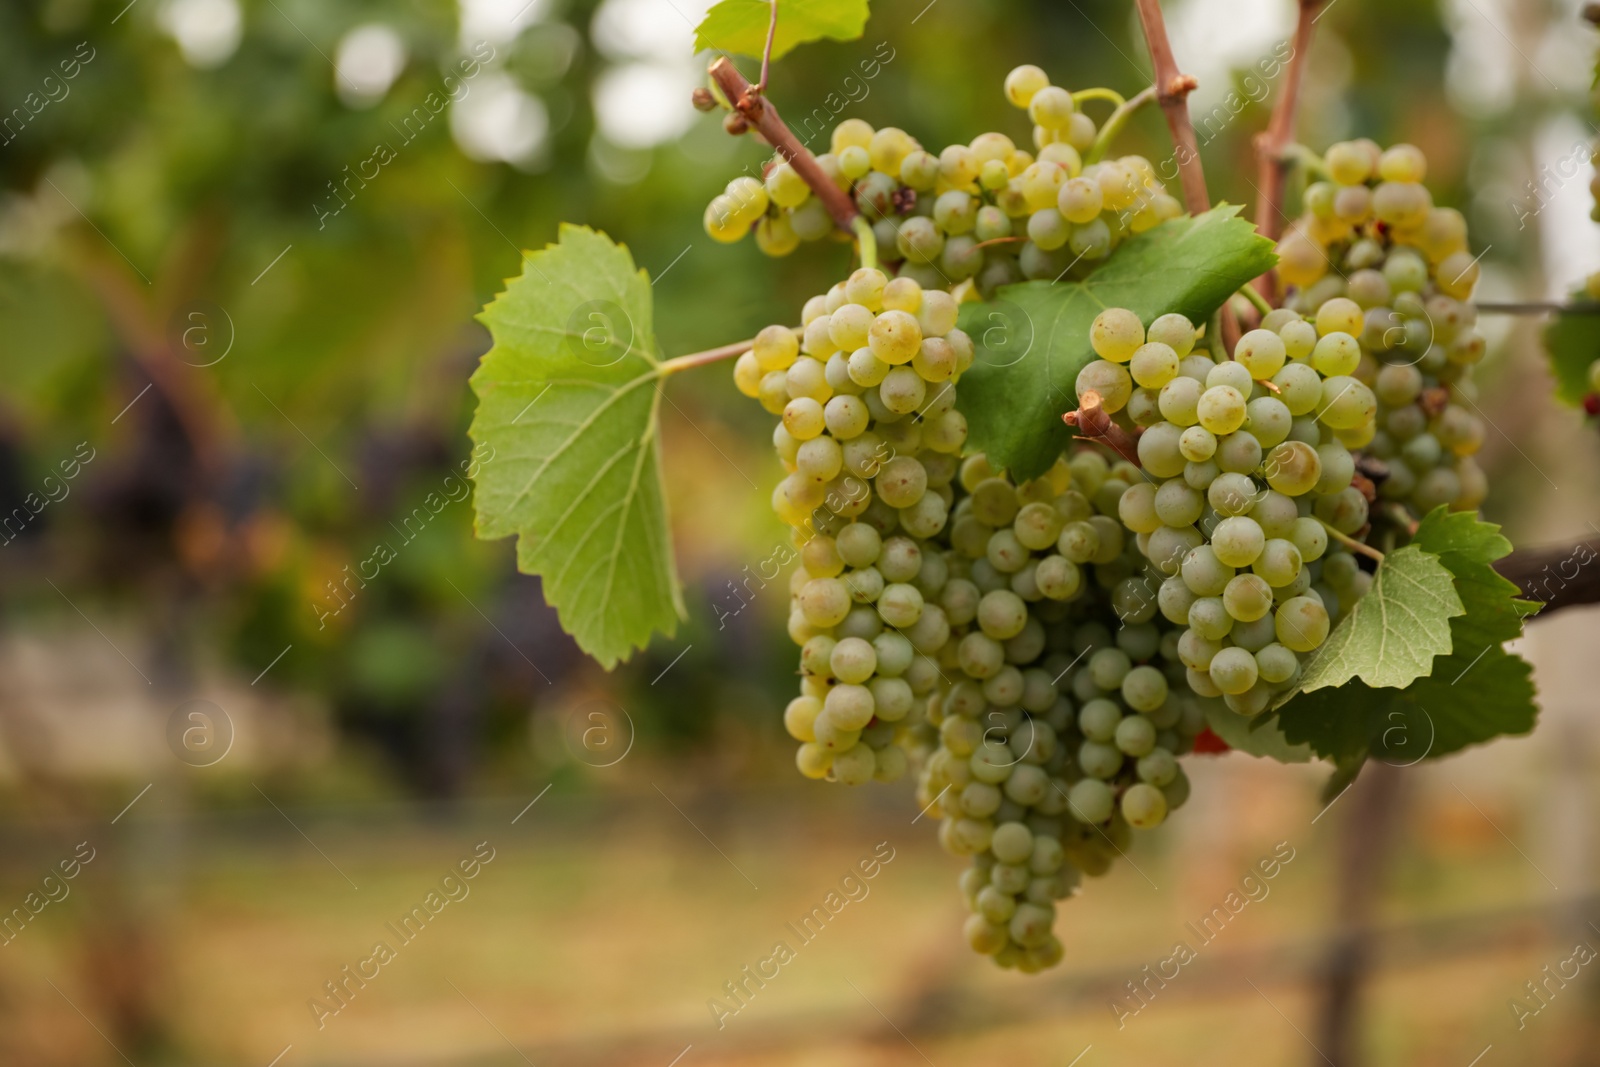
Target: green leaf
(1477, 692)
(1033, 339)
(1391, 636)
(1573, 343)
(570, 455)
(741, 25)
(1264, 738)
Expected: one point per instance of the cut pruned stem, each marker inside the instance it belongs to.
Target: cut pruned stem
(700, 359)
(1351, 543)
(1093, 423)
(760, 114)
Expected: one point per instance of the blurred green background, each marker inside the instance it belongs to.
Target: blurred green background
(241, 245)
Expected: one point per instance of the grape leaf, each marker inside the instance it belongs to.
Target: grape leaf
(1391, 636)
(741, 25)
(1477, 692)
(568, 400)
(1264, 738)
(1573, 343)
(1033, 339)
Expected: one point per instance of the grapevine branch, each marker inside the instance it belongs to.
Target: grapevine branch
(1274, 145)
(758, 111)
(700, 359)
(1172, 91)
(1558, 576)
(1094, 424)
(1172, 88)
(1537, 307)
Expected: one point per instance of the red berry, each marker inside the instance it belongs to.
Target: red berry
(1207, 742)
(1591, 404)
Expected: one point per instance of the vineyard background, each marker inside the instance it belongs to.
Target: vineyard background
(184, 170)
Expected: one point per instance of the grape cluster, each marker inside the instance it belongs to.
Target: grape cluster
(981, 215)
(1246, 470)
(1371, 240)
(870, 437)
(1058, 735)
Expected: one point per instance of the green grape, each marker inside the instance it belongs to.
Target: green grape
(1144, 806)
(1221, 409)
(1237, 541)
(1116, 334)
(1080, 200)
(1176, 504)
(1091, 801)
(1209, 618)
(855, 766)
(1159, 450)
(1346, 403)
(1261, 353)
(1173, 330)
(1232, 494)
(1136, 736)
(1110, 380)
(1234, 670)
(1049, 229)
(1336, 354)
(1280, 562)
(1247, 597)
(1204, 572)
(1136, 508)
(1153, 365)
(1293, 468)
(1231, 374)
(1180, 398)
(1144, 689)
(1301, 624)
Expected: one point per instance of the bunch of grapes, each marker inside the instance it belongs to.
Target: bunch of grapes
(1371, 242)
(1247, 469)
(978, 215)
(870, 437)
(1058, 735)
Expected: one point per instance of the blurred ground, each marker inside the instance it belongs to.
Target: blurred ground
(617, 906)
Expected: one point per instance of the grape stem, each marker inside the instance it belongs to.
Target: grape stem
(1219, 351)
(1093, 423)
(1351, 543)
(1098, 93)
(999, 241)
(763, 117)
(766, 55)
(1273, 145)
(867, 242)
(1116, 121)
(700, 359)
(1255, 298)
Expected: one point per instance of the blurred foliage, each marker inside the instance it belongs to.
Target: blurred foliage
(223, 506)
